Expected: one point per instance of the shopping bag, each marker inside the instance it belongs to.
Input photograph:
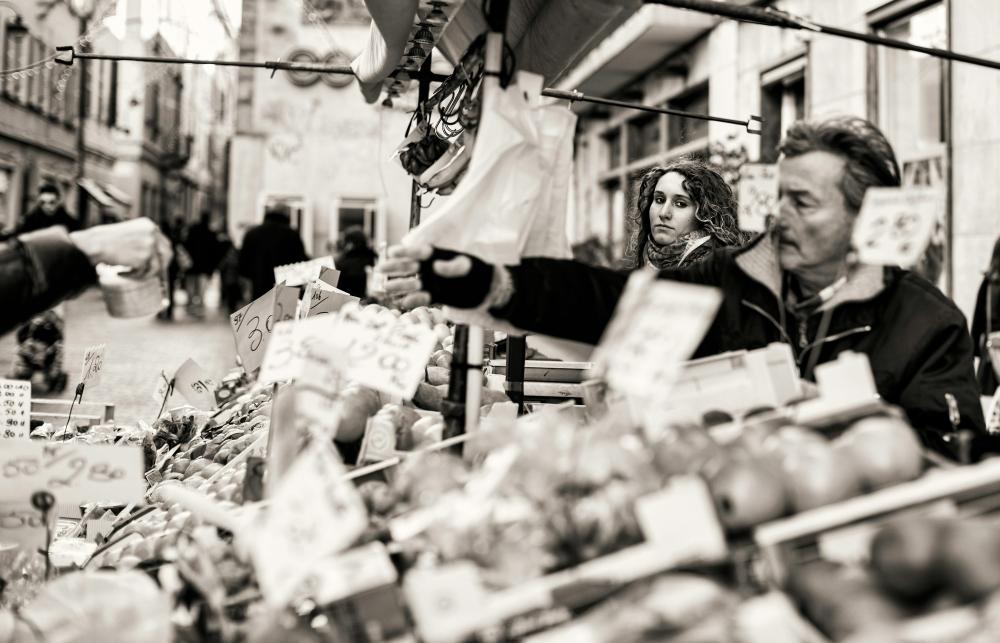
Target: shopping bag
(512, 201)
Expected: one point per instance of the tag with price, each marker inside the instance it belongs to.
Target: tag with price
(313, 513)
(303, 350)
(252, 325)
(22, 524)
(301, 273)
(93, 364)
(386, 356)
(657, 325)
(758, 193)
(15, 408)
(895, 224)
(195, 385)
(73, 473)
(323, 301)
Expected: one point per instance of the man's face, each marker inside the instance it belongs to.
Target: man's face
(48, 202)
(814, 224)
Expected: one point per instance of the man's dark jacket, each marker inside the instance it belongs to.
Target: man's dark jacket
(36, 219)
(915, 338)
(270, 244)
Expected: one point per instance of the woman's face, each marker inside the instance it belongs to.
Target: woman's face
(671, 214)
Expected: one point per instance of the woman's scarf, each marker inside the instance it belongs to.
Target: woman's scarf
(670, 255)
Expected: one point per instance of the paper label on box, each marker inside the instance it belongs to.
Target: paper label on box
(15, 408)
(682, 518)
(74, 473)
(446, 602)
(301, 273)
(895, 224)
(758, 194)
(252, 325)
(93, 364)
(350, 573)
(192, 382)
(313, 513)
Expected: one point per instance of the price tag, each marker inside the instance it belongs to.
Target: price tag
(93, 364)
(329, 276)
(325, 301)
(195, 385)
(313, 513)
(388, 356)
(22, 524)
(252, 324)
(758, 194)
(301, 273)
(378, 443)
(15, 408)
(895, 224)
(446, 602)
(698, 537)
(304, 350)
(353, 572)
(74, 473)
(656, 327)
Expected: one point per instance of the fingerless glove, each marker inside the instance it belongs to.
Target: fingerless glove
(469, 291)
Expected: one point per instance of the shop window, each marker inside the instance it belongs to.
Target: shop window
(358, 213)
(643, 137)
(681, 131)
(782, 102)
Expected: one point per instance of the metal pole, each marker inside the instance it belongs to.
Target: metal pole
(81, 136)
(423, 91)
(775, 18)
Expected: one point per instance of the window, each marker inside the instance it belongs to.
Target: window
(643, 137)
(782, 102)
(358, 213)
(680, 130)
(613, 144)
(12, 58)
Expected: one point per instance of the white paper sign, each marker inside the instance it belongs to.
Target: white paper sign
(388, 356)
(313, 513)
(324, 302)
(895, 224)
(22, 524)
(758, 193)
(195, 385)
(252, 324)
(15, 408)
(330, 276)
(355, 571)
(74, 473)
(699, 536)
(301, 273)
(307, 349)
(93, 364)
(656, 327)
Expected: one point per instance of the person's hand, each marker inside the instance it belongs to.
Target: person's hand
(137, 244)
(421, 275)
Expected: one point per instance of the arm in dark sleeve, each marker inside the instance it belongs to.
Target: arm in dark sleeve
(571, 300)
(37, 271)
(944, 365)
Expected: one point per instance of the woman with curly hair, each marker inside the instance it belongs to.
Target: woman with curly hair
(684, 211)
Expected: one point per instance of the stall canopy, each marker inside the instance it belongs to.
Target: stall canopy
(547, 36)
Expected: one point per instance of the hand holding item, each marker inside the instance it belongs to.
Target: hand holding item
(421, 275)
(137, 244)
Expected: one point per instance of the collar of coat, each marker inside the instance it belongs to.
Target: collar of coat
(759, 261)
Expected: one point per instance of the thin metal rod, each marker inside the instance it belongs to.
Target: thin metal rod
(423, 90)
(775, 18)
(584, 98)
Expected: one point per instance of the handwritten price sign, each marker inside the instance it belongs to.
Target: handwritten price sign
(895, 224)
(304, 349)
(388, 356)
(325, 301)
(301, 273)
(22, 524)
(73, 473)
(252, 325)
(93, 364)
(15, 408)
(195, 385)
(758, 195)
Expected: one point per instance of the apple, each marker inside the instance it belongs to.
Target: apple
(816, 474)
(748, 492)
(885, 450)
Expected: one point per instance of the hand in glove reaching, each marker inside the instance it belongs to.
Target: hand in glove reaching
(422, 275)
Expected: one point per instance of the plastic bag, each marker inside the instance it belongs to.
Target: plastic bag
(512, 201)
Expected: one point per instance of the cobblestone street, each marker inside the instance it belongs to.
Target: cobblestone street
(137, 349)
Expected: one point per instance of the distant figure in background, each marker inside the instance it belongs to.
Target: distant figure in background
(41, 342)
(229, 274)
(354, 254)
(173, 230)
(986, 320)
(202, 245)
(270, 244)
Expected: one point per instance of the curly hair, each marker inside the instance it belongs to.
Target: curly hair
(714, 200)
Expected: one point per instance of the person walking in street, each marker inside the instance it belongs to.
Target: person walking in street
(41, 341)
(985, 322)
(268, 245)
(202, 246)
(355, 255)
(684, 211)
(172, 230)
(794, 284)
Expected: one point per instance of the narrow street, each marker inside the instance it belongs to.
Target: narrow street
(137, 349)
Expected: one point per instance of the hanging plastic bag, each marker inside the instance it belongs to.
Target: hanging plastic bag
(512, 201)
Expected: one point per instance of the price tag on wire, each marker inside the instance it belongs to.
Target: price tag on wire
(93, 365)
(895, 224)
(758, 193)
(15, 408)
(195, 385)
(313, 513)
(252, 325)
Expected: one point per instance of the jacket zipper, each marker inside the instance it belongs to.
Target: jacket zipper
(768, 317)
(806, 347)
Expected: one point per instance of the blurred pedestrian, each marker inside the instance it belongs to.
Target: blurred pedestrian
(354, 254)
(202, 246)
(268, 245)
(229, 275)
(173, 230)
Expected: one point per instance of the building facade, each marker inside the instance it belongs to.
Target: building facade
(309, 140)
(937, 114)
